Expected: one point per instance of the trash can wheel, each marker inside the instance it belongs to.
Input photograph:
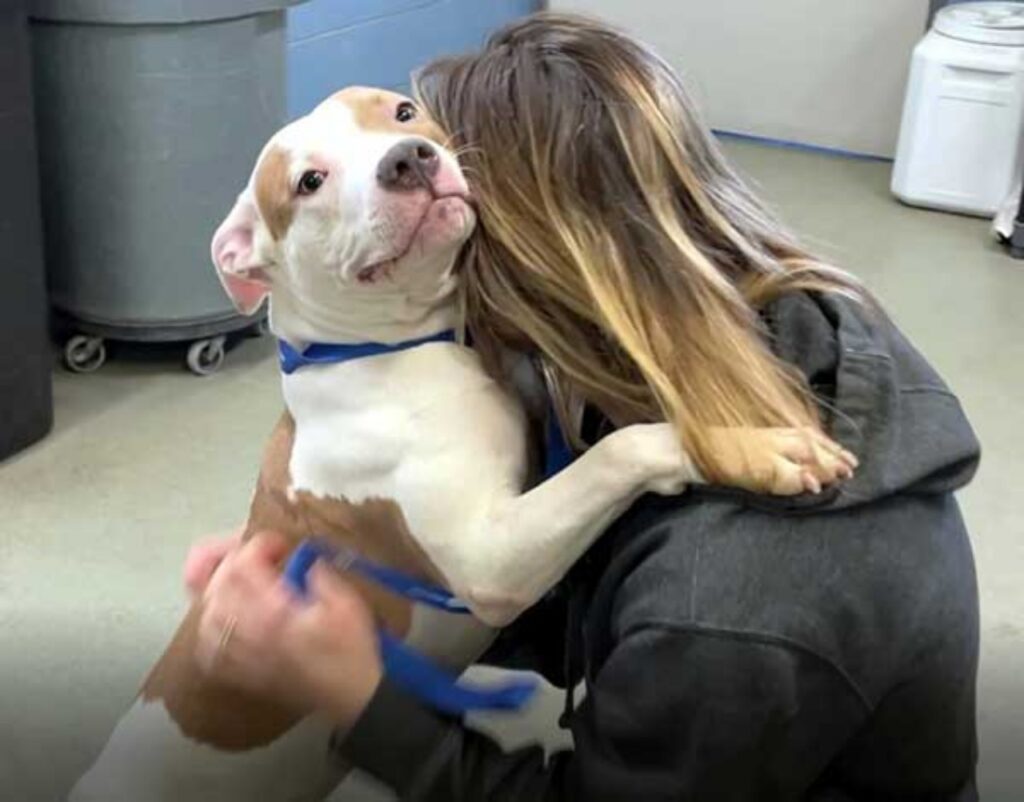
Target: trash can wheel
(205, 357)
(84, 354)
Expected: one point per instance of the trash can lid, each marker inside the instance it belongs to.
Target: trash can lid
(148, 12)
(984, 23)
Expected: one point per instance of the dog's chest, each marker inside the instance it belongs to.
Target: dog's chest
(397, 426)
(387, 459)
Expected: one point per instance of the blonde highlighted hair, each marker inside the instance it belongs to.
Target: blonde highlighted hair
(614, 239)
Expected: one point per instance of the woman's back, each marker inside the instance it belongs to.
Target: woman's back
(734, 648)
(748, 648)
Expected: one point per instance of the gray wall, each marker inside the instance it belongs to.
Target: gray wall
(334, 43)
(822, 73)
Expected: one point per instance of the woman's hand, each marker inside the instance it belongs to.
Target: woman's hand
(317, 654)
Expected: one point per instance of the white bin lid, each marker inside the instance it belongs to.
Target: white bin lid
(985, 23)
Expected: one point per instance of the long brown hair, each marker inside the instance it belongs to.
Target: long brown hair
(613, 237)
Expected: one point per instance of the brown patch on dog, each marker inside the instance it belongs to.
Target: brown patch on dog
(274, 191)
(233, 720)
(374, 110)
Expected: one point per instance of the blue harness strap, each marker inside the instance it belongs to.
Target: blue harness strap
(333, 353)
(558, 454)
(404, 666)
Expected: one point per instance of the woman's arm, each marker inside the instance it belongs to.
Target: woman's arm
(674, 715)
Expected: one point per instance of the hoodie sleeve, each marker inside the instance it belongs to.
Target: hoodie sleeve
(674, 714)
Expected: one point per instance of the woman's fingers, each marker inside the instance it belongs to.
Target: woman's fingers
(246, 607)
(204, 558)
(200, 564)
(338, 598)
(325, 586)
(270, 547)
(234, 646)
(214, 635)
(254, 633)
(259, 559)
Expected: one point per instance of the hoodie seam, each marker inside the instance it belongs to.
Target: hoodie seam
(695, 578)
(747, 636)
(927, 389)
(866, 353)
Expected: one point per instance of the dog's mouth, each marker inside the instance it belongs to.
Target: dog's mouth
(385, 269)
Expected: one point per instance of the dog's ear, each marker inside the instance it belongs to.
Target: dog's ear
(240, 268)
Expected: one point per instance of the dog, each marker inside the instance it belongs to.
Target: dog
(415, 457)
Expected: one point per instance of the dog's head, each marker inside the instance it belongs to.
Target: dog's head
(357, 205)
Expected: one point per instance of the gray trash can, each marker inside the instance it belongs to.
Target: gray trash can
(150, 114)
(26, 406)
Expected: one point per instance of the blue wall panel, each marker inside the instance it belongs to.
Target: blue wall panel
(335, 43)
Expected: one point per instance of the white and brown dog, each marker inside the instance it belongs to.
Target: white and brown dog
(351, 223)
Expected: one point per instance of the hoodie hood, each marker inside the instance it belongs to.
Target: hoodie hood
(879, 398)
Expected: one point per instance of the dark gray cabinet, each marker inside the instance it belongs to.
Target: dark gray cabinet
(26, 407)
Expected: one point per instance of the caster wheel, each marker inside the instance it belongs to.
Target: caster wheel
(206, 356)
(83, 354)
(261, 329)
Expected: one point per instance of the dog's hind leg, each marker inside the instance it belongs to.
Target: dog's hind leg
(186, 737)
(149, 759)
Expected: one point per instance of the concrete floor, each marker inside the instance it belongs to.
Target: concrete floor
(145, 458)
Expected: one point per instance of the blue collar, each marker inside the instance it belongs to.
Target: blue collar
(558, 452)
(332, 353)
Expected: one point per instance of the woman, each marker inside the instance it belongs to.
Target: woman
(734, 647)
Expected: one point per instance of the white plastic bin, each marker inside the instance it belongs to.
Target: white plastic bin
(960, 143)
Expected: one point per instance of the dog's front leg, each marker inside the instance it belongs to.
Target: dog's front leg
(525, 544)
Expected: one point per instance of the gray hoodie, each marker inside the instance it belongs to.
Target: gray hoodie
(738, 647)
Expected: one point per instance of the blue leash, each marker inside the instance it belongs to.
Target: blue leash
(342, 558)
(404, 666)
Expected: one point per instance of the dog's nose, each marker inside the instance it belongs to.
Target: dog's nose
(411, 164)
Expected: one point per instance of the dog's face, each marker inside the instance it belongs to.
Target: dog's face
(359, 198)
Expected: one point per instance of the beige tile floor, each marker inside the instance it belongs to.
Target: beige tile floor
(145, 457)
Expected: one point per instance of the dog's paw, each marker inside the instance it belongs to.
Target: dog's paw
(783, 462)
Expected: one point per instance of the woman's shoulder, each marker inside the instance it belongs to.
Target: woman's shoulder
(879, 397)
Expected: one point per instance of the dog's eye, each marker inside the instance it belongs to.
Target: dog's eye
(311, 181)
(405, 112)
